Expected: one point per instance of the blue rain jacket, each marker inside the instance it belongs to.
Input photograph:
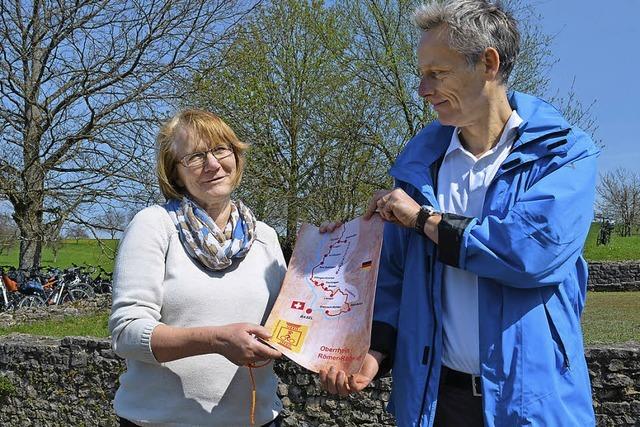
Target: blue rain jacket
(526, 250)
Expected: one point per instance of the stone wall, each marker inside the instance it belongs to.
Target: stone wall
(58, 382)
(614, 276)
(71, 381)
(615, 380)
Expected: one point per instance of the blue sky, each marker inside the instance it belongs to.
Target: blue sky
(598, 43)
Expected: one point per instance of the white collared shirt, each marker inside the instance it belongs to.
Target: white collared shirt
(463, 180)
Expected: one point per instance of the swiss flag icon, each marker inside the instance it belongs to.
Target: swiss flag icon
(298, 305)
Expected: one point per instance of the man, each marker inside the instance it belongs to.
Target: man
(482, 282)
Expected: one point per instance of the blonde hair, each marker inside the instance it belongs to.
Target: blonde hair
(200, 125)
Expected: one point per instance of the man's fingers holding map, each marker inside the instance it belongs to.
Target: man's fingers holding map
(373, 203)
(337, 382)
(334, 381)
(357, 382)
(393, 206)
(329, 226)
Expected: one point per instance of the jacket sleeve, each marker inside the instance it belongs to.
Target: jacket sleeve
(388, 294)
(137, 291)
(541, 236)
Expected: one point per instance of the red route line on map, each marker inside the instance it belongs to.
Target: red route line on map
(320, 284)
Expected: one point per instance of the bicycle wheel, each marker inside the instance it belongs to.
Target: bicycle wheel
(88, 289)
(30, 301)
(77, 292)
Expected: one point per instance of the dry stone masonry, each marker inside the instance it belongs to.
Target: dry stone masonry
(71, 381)
(614, 276)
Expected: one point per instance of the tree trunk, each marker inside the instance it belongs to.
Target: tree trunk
(29, 220)
(30, 252)
(292, 225)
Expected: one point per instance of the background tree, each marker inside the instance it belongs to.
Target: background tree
(75, 232)
(54, 243)
(283, 85)
(8, 233)
(619, 199)
(81, 84)
(327, 96)
(112, 221)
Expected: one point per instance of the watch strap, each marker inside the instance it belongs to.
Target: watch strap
(423, 214)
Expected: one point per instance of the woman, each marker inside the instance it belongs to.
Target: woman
(193, 280)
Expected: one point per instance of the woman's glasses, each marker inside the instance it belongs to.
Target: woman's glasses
(197, 159)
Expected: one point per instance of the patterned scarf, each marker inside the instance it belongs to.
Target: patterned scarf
(202, 238)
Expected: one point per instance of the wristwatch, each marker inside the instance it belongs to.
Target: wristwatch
(423, 214)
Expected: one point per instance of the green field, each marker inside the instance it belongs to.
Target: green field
(79, 252)
(619, 249)
(610, 317)
(90, 326)
(92, 252)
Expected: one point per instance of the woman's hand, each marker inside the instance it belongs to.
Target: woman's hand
(338, 382)
(238, 342)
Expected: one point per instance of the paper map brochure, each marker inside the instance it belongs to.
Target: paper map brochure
(322, 316)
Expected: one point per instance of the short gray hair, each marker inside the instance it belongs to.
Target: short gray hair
(473, 26)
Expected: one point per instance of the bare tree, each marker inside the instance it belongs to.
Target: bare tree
(76, 232)
(619, 199)
(81, 85)
(8, 233)
(113, 221)
(54, 243)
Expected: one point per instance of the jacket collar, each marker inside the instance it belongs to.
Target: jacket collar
(541, 123)
(539, 118)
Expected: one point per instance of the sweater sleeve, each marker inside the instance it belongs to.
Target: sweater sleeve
(137, 291)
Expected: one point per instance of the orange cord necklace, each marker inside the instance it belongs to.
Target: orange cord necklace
(251, 366)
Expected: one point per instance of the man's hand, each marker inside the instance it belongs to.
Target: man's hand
(394, 206)
(337, 382)
(329, 226)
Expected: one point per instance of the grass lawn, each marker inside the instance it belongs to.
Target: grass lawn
(91, 252)
(619, 249)
(611, 317)
(91, 326)
(79, 252)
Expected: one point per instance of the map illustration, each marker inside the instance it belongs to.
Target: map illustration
(322, 316)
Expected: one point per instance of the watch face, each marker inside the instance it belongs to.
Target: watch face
(431, 211)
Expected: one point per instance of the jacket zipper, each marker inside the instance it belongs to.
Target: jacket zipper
(433, 339)
(559, 340)
(431, 260)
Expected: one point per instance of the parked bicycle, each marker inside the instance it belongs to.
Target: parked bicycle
(32, 288)
(60, 287)
(18, 291)
(101, 282)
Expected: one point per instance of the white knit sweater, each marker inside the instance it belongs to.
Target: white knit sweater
(155, 281)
